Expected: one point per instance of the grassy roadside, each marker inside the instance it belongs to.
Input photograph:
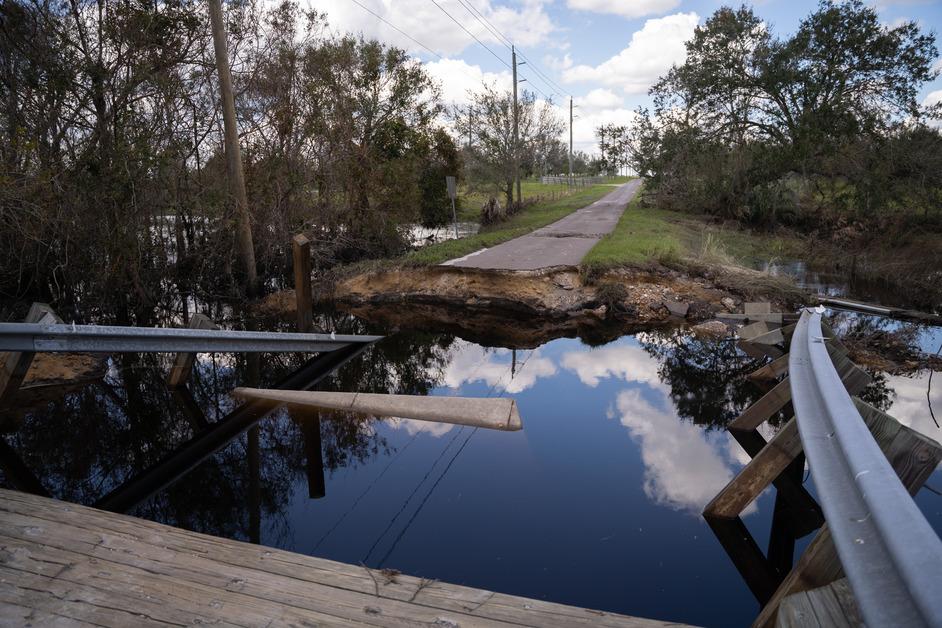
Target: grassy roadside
(533, 217)
(471, 201)
(650, 235)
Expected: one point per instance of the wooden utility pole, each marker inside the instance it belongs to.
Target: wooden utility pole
(570, 142)
(470, 122)
(233, 155)
(513, 54)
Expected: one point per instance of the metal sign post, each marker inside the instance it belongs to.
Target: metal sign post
(452, 193)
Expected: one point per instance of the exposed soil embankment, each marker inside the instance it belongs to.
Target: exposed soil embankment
(525, 308)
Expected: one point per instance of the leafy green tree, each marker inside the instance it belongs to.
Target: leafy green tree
(493, 138)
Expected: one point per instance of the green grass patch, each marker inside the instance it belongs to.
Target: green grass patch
(643, 235)
(531, 218)
(649, 235)
(472, 200)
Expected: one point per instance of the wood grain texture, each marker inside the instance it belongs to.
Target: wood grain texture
(913, 456)
(771, 371)
(831, 606)
(756, 476)
(67, 564)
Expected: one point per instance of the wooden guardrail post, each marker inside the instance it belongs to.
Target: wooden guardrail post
(183, 362)
(301, 253)
(15, 364)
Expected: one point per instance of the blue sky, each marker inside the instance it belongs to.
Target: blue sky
(604, 53)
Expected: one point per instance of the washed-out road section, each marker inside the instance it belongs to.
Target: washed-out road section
(562, 243)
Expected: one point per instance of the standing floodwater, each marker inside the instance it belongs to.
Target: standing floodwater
(595, 503)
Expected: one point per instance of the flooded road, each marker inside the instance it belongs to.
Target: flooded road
(595, 503)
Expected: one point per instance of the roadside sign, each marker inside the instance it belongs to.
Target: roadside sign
(452, 187)
(452, 194)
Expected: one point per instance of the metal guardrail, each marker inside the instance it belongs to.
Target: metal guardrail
(40, 338)
(890, 553)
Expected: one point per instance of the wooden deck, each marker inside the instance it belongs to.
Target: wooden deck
(64, 564)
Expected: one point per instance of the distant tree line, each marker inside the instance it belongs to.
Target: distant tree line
(811, 130)
(112, 177)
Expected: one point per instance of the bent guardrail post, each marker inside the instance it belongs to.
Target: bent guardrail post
(890, 553)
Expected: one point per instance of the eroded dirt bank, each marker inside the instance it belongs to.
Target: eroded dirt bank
(525, 308)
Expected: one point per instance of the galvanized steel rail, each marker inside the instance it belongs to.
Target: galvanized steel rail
(41, 338)
(890, 553)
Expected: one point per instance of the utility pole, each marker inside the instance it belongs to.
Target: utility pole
(570, 142)
(470, 113)
(602, 148)
(516, 155)
(233, 154)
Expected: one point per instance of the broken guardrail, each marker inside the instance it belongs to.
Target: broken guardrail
(40, 338)
(890, 553)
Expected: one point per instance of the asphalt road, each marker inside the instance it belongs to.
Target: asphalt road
(562, 243)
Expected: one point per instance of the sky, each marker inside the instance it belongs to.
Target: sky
(605, 54)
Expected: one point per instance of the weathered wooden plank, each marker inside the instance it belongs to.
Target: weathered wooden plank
(752, 330)
(767, 405)
(855, 379)
(15, 364)
(756, 476)
(913, 456)
(183, 361)
(774, 336)
(253, 579)
(304, 303)
(830, 606)
(497, 413)
(775, 318)
(771, 371)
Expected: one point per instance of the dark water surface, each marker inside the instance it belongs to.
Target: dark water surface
(595, 503)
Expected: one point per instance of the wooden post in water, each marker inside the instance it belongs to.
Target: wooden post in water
(301, 253)
(183, 361)
(15, 364)
(308, 421)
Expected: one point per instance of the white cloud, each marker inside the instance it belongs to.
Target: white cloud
(622, 361)
(456, 77)
(682, 469)
(933, 98)
(558, 63)
(473, 363)
(625, 8)
(910, 406)
(649, 55)
(413, 427)
(600, 99)
(527, 23)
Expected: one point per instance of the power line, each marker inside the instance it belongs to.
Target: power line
(493, 30)
(470, 8)
(396, 28)
(546, 78)
(462, 27)
(425, 499)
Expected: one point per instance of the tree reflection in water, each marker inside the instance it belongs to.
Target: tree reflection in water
(88, 442)
(706, 376)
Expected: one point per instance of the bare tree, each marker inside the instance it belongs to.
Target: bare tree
(493, 133)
